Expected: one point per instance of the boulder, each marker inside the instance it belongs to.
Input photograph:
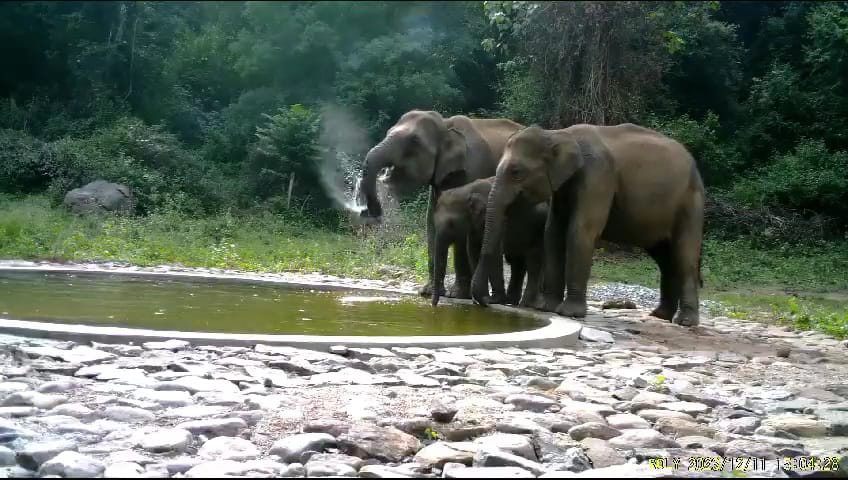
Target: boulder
(100, 196)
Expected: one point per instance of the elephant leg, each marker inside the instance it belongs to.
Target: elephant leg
(427, 289)
(585, 227)
(474, 247)
(462, 268)
(518, 268)
(553, 286)
(497, 281)
(669, 281)
(534, 270)
(686, 248)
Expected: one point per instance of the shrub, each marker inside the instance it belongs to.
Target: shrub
(808, 178)
(716, 159)
(21, 167)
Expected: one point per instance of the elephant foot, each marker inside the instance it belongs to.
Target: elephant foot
(687, 319)
(663, 312)
(459, 292)
(528, 302)
(512, 299)
(546, 303)
(497, 298)
(427, 291)
(572, 308)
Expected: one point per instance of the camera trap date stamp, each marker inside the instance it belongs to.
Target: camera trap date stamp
(745, 464)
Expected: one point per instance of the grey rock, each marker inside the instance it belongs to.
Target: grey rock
(194, 385)
(683, 428)
(33, 455)
(595, 335)
(329, 426)
(381, 471)
(739, 426)
(228, 448)
(354, 462)
(58, 386)
(746, 448)
(76, 410)
(494, 457)
(225, 427)
(652, 415)
(182, 464)
(100, 196)
(329, 469)
(165, 398)
(443, 411)
(123, 470)
(217, 469)
(290, 448)
(533, 403)
(128, 456)
(171, 345)
(194, 411)
(33, 399)
(166, 440)
(81, 355)
(386, 444)
(691, 408)
(436, 455)
(690, 442)
(601, 454)
(542, 383)
(593, 430)
(801, 425)
(627, 421)
(642, 438)
(128, 414)
(222, 399)
(7, 457)
(17, 412)
(511, 443)
(71, 464)
(489, 472)
(294, 470)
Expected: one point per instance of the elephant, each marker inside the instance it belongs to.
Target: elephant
(424, 148)
(459, 219)
(625, 184)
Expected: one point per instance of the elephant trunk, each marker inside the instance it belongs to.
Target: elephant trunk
(379, 157)
(496, 206)
(440, 261)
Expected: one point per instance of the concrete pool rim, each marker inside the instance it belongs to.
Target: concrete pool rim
(556, 331)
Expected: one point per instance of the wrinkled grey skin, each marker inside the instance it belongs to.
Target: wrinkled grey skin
(425, 149)
(459, 219)
(625, 184)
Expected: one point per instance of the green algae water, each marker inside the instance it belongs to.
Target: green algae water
(222, 306)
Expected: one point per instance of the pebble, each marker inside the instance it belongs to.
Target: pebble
(593, 430)
(33, 455)
(511, 443)
(123, 470)
(627, 421)
(438, 454)
(227, 427)
(128, 414)
(642, 438)
(386, 444)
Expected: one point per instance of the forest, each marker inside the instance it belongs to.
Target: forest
(240, 126)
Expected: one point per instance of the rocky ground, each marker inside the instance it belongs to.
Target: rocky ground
(726, 394)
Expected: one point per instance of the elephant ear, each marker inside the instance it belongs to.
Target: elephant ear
(567, 156)
(451, 160)
(477, 206)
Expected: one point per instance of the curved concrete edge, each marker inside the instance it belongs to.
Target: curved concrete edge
(558, 332)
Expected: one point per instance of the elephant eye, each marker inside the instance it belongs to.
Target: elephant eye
(515, 171)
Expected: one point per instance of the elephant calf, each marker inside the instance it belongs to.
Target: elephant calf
(459, 219)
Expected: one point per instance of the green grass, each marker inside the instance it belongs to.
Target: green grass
(808, 290)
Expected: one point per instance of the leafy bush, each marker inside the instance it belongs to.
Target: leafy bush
(21, 166)
(808, 178)
(716, 159)
(286, 146)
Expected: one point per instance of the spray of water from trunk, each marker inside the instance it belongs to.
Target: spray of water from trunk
(344, 143)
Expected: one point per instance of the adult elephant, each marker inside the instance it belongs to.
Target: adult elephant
(424, 148)
(625, 184)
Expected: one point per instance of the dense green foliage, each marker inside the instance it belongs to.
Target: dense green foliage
(207, 106)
